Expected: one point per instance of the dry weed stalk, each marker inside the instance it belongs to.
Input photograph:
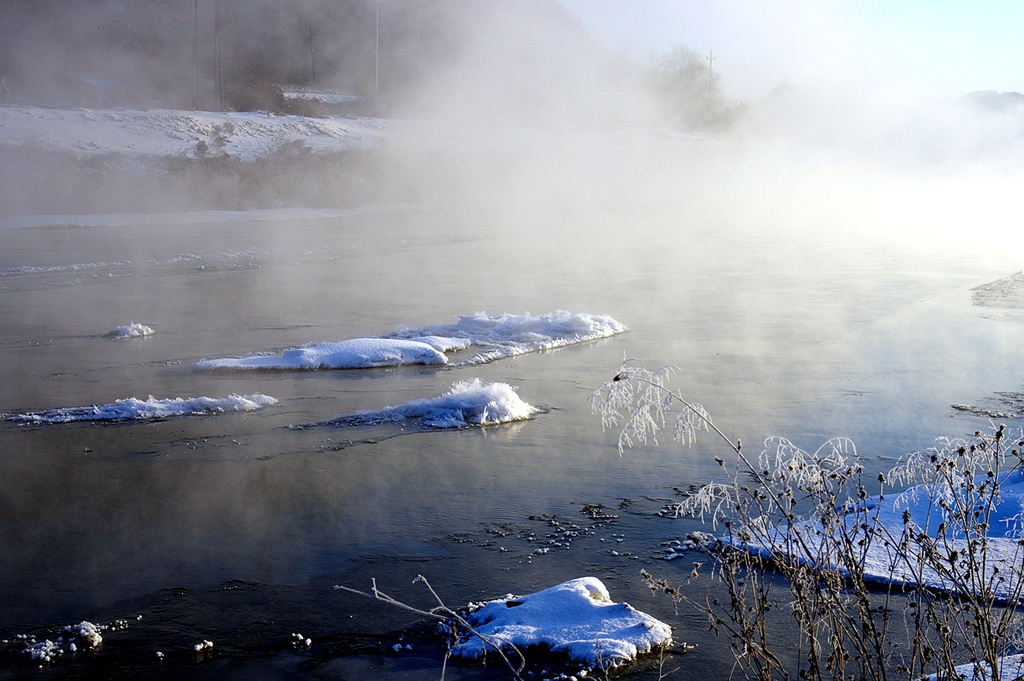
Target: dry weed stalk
(450, 618)
(945, 596)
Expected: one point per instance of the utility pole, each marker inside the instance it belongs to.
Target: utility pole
(711, 61)
(218, 54)
(195, 58)
(312, 56)
(376, 60)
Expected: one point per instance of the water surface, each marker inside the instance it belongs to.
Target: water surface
(235, 528)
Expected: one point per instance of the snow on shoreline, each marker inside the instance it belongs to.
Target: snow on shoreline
(885, 561)
(168, 133)
(497, 338)
(195, 217)
(467, 403)
(577, 618)
(134, 409)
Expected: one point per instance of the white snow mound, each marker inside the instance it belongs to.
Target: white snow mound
(498, 337)
(132, 330)
(508, 335)
(577, 618)
(132, 408)
(74, 637)
(467, 403)
(356, 353)
(1012, 668)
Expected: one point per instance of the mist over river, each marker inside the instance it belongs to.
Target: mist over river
(234, 528)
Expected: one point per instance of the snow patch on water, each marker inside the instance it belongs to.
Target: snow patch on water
(356, 353)
(885, 560)
(577, 618)
(508, 335)
(131, 330)
(75, 637)
(467, 403)
(498, 337)
(132, 408)
(1011, 669)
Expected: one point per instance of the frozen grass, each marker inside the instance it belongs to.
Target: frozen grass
(916, 572)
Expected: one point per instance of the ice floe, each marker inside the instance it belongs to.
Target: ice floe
(1012, 669)
(577, 618)
(75, 637)
(356, 353)
(132, 408)
(132, 330)
(467, 403)
(494, 338)
(878, 524)
(508, 335)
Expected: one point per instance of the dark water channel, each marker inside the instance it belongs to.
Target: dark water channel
(235, 529)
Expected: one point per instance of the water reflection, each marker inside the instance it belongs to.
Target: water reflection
(773, 334)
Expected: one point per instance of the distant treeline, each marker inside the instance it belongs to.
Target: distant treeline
(529, 58)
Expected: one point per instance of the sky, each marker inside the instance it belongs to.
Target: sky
(940, 48)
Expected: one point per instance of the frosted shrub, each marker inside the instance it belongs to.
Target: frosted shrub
(879, 586)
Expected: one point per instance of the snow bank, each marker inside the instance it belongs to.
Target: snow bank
(467, 403)
(885, 560)
(135, 409)
(1011, 669)
(499, 337)
(357, 353)
(132, 330)
(194, 217)
(169, 133)
(576, 618)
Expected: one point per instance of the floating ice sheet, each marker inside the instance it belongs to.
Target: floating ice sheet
(132, 330)
(495, 338)
(357, 353)
(72, 638)
(885, 561)
(577, 618)
(508, 335)
(1012, 669)
(467, 403)
(133, 408)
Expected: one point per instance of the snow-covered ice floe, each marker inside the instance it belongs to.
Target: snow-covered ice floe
(132, 408)
(1011, 669)
(577, 618)
(356, 353)
(467, 403)
(508, 335)
(132, 330)
(885, 560)
(75, 637)
(495, 338)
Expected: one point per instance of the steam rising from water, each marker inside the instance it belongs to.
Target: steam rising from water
(530, 118)
(551, 172)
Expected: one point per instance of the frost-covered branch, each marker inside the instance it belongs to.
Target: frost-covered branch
(641, 401)
(446, 615)
(949, 546)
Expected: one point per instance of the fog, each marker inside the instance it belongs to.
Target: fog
(805, 254)
(511, 97)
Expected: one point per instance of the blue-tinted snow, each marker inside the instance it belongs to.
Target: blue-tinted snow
(493, 338)
(467, 403)
(132, 408)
